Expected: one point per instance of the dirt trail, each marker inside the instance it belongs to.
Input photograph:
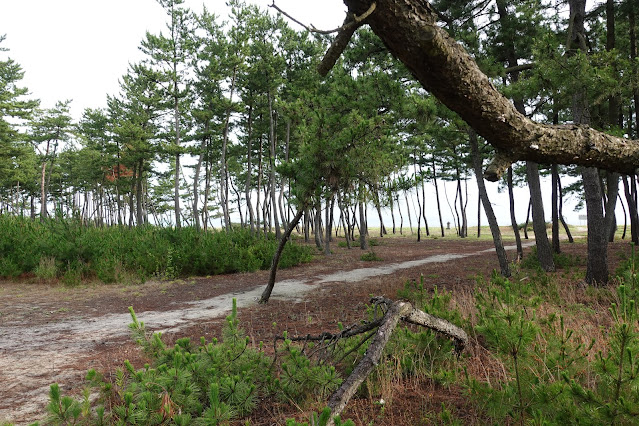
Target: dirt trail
(34, 354)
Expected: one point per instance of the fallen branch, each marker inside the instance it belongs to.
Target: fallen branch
(395, 311)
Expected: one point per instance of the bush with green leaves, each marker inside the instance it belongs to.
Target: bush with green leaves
(206, 383)
(69, 249)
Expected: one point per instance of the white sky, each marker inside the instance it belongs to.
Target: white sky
(79, 49)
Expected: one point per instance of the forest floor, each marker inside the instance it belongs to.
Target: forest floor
(51, 333)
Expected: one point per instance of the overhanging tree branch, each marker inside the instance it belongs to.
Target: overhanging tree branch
(409, 30)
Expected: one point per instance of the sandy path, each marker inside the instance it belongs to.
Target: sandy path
(34, 356)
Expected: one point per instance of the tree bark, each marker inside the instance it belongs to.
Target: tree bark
(513, 219)
(266, 294)
(555, 209)
(363, 228)
(544, 251)
(396, 311)
(488, 208)
(409, 30)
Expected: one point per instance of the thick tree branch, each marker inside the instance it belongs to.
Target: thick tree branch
(408, 29)
(519, 68)
(337, 402)
(351, 24)
(498, 165)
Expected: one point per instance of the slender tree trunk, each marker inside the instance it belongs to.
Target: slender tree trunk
(555, 209)
(513, 219)
(317, 227)
(439, 208)
(632, 208)
(488, 208)
(410, 219)
(612, 184)
(544, 251)
(249, 169)
(423, 210)
(266, 294)
(139, 194)
(363, 228)
(196, 180)
(561, 211)
(276, 220)
(625, 217)
(224, 190)
(329, 225)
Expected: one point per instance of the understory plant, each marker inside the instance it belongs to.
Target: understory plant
(73, 251)
(207, 383)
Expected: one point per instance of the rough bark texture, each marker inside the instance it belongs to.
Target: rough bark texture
(337, 402)
(409, 29)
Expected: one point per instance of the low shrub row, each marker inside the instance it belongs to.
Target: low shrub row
(72, 251)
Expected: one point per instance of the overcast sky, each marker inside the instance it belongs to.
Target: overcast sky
(78, 49)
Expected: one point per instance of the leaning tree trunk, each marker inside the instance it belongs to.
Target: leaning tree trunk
(561, 211)
(544, 251)
(488, 208)
(266, 294)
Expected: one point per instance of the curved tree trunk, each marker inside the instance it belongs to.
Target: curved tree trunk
(561, 211)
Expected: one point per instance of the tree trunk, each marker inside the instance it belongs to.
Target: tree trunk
(328, 225)
(224, 190)
(632, 208)
(139, 195)
(555, 209)
(561, 211)
(266, 294)
(439, 209)
(612, 184)
(513, 220)
(276, 220)
(249, 169)
(363, 228)
(317, 227)
(544, 251)
(597, 266)
(488, 208)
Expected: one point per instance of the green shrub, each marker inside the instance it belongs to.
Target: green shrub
(370, 257)
(111, 253)
(206, 383)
